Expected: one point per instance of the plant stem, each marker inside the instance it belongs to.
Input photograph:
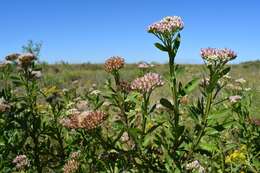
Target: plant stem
(204, 123)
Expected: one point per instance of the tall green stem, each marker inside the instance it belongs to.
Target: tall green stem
(204, 121)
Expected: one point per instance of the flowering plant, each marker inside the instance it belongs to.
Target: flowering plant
(203, 125)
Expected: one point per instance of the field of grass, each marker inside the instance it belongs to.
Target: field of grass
(83, 76)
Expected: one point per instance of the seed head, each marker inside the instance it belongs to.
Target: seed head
(4, 106)
(86, 120)
(125, 86)
(114, 63)
(147, 83)
(169, 24)
(26, 58)
(216, 56)
(12, 57)
(36, 74)
(71, 166)
(21, 161)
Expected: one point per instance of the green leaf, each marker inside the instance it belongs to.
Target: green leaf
(176, 43)
(118, 125)
(152, 109)
(189, 87)
(161, 47)
(208, 146)
(179, 70)
(135, 133)
(224, 72)
(166, 103)
(154, 128)
(180, 130)
(147, 140)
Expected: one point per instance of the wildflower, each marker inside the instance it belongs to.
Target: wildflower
(169, 24)
(114, 63)
(26, 58)
(204, 82)
(75, 155)
(233, 87)
(217, 56)
(227, 77)
(124, 86)
(93, 87)
(12, 57)
(248, 89)
(195, 165)
(86, 120)
(234, 99)
(184, 100)
(143, 65)
(71, 166)
(73, 111)
(4, 106)
(237, 156)
(125, 137)
(147, 83)
(255, 121)
(36, 74)
(240, 81)
(95, 92)
(21, 162)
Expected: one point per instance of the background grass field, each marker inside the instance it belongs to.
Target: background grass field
(83, 76)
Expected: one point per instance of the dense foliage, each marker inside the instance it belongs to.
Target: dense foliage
(47, 129)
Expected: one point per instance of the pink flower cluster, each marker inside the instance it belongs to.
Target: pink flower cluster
(235, 98)
(169, 24)
(147, 83)
(21, 161)
(214, 55)
(144, 65)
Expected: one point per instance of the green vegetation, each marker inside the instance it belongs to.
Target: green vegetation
(84, 75)
(122, 118)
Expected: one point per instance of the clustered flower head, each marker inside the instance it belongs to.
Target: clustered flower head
(21, 162)
(240, 81)
(71, 166)
(114, 63)
(36, 74)
(195, 165)
(216, 56)
(147, 83)
(237, 156)
(4, 106)
(235, 98)
(26, 58)
(255, 121)
(143, 65)
(12, 57)
(124, 86)
(169, 24)
(85, 120)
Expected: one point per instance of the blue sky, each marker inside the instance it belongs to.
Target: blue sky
(79, 31)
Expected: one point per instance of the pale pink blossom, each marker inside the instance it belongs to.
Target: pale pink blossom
(147, 83)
